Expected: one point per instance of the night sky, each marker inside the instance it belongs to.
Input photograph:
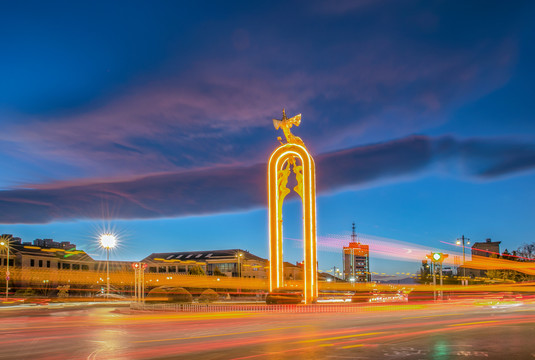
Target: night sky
(154, 119)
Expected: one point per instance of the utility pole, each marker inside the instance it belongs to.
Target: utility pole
(334, 273)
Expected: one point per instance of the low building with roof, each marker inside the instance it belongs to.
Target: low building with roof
(231, 263)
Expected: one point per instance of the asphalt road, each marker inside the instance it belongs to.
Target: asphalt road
(450, 331)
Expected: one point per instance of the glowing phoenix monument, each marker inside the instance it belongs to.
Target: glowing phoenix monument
(292, 156)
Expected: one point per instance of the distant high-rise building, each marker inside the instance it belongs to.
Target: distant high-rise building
(356, 258)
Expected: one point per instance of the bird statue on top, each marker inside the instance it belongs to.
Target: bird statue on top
(286, 123)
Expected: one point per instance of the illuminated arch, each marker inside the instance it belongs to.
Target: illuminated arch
(286, 155)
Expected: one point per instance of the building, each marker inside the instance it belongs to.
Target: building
(46, 255)
(48, 262)
(53, 263)
(487, 249)
(356, 260)
(293, 271)
(231, 263)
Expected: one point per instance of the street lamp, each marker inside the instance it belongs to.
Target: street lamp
(462, 239)
(108, 241)
(5, 243)
(239, 256)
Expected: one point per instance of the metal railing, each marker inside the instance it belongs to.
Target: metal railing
(281, 308)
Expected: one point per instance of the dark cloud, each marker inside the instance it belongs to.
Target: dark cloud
(235, 188)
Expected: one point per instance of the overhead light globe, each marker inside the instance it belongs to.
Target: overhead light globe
(108, 241)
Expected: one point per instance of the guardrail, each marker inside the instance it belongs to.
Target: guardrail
(281, 308)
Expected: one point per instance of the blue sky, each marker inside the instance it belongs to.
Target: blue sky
(155, 119)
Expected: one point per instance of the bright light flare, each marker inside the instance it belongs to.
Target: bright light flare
(108, 241)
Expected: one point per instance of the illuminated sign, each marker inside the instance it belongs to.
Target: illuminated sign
(437, 257)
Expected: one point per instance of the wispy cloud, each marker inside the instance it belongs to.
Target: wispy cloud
(236, 188)
(216, 111)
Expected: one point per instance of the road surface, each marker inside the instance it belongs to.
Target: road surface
(449, 331)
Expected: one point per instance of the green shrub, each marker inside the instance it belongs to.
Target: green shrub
(157, 294)
(27, 292)
(178, 295)
(196, 270)
(169, 294)
(208, 296)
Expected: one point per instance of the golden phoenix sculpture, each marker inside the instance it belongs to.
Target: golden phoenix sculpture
(294, 155)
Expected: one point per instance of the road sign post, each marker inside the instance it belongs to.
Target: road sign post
(437, 258)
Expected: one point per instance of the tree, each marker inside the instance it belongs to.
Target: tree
(196, 270)
(218, 272)
(506, 255)
(63, 291)
(507, 274)
(527, 251)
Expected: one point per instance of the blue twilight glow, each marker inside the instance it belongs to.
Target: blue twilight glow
(156, 119)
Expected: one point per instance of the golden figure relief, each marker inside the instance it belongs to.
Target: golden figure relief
(282, 181)
(286, 124)
(298, 171)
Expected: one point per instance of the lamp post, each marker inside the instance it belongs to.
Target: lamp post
(462, 239)
(239, 255)
(108, 241)
(5, 243)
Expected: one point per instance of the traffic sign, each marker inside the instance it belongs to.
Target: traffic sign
(437, 257)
